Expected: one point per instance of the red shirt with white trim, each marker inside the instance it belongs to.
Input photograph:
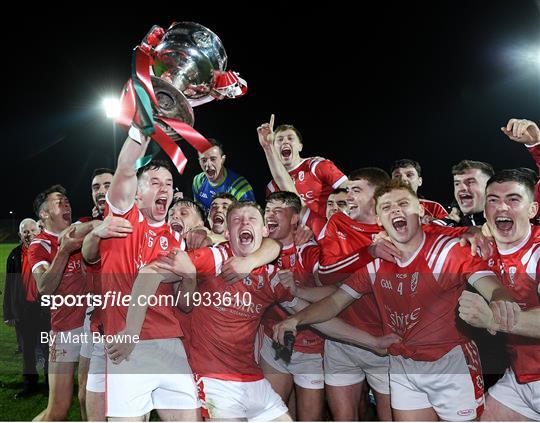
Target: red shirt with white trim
(223, 333)
(43, 250)
(314, 178)
(433, 209)
(303, 261)
(29, 283)
(518, 269)
(418, 299)
(121, 260)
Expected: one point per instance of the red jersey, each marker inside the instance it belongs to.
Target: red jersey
(223, 333)
(433, 209)
(303, 261)
(29, 283)
(535, 153)
(43, 250)
(344, 246)
(314, 178)
(418, 299)
(518, 269)
(121, 260)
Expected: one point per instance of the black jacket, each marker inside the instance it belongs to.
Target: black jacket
(14, 294)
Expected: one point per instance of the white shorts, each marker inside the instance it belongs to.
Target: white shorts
(452, 385)
(307, 369)
(156, 376)
(523, 398)
(96, 372)
(346, 365)
(87, 344)
(225, 399)
(65, 347)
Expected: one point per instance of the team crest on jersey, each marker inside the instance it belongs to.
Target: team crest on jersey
(414, 281)
(491, 262)
(511, 274)
(164, 242)
(341, 235)
(260, 284)
(301, 176)
(292, 260)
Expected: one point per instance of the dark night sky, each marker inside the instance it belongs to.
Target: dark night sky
(429, 80)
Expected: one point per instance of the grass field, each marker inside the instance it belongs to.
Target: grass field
(11, 368)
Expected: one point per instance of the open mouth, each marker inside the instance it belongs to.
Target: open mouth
(504, 224)
(245, 237)
(211, 173)
(286, 152)
(66, 216)
(161, 205)
(100, 202)
(399, 224)
(177, 227)
(218, 220)
(465, 199)
(272, 226)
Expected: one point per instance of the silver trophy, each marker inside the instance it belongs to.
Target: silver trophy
(185, 65)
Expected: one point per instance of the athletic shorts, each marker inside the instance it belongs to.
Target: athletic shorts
(307, 369)
(96, 372)
(65, 347)
(452, 385)
(346, 365)
(523, 398)
(87, 345)
(156, 376)
(225, 399)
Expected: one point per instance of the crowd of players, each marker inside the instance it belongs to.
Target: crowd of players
(385, 292)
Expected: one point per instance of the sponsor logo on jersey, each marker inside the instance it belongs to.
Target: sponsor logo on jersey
(465, 412)
(248, 281)
(151, 232)
(203, 195)
(341, 235)
(402, 322)
(480, 382)
(73, 266)
(164, 242)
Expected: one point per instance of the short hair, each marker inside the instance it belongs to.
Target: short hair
(41, 198)
(190, 203)
(154, 165)
(394, 184)
(339, 191)
(242, 204)
(286, 127)
(465, 165)
(407, 163)
(215, 143)
(374, 175)
(289, 198)
(101, 171)
(529, 172)
(514, 175)
(25, 221)
(225, 196)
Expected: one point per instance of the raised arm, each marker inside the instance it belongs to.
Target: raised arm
(278, 171)
(123, 188)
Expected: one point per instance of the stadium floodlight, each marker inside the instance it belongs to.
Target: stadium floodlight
(111, 105)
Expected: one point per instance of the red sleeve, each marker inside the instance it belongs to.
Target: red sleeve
(436, 210)
(271, 187)
(328, 173)
(535, 153)
(314, 221)
(308, 256)
(39, 253)
(335, 264)
(433, 228)
(459, 266)
(358, 284)
(208, 260)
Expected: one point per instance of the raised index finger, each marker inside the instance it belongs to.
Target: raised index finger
(272, 118)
